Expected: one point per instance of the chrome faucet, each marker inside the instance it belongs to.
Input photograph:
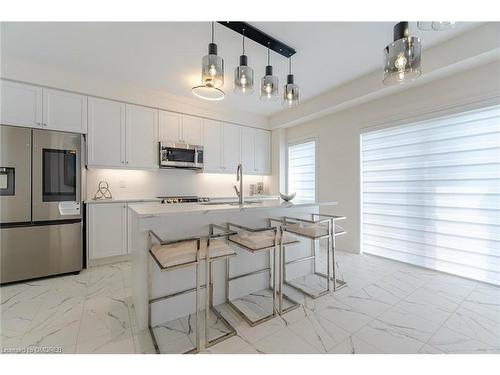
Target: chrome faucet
(239, 177)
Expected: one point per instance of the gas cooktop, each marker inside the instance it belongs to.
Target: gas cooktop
(183, 199)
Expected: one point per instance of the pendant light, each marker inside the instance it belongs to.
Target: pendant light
(402, 57)
(243, 74)
(269, 83)
(212, 74)
(291, 90)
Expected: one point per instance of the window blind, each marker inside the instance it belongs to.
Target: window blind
(431, 194)
(302, 170)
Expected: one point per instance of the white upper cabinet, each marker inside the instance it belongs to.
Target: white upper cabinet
(248, 150)
(20, 104)
(212, 151)
(37, 107)
(175, 127)
(192, 130)
(255, 151)
(169, 126)
(126, 136)
(262, 151)
(107, 230)
(231, 149)
(106, 133)
(64, 111)
(141, 137)
(122, 135)
(226, 145)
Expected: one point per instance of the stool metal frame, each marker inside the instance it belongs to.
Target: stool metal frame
(209, 290)
(316, 219)
(272, 272)
(155, 238)
(209, 296)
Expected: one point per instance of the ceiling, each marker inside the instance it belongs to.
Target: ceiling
(167, 56)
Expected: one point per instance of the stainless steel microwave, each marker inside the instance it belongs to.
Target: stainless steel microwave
(181, 155)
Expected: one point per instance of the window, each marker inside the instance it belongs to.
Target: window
(431, 194)
(302, 170)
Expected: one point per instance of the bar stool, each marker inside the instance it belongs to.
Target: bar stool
(189, 252)
(216, 250)
(319, 227)
(256, 240)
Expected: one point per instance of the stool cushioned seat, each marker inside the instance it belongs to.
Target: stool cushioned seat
(185, 252)
(259, 240)
(313, 230)
(309, 229)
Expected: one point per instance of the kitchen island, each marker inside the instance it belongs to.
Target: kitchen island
(177, 221)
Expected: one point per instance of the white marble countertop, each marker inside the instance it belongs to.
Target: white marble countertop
(158, 209)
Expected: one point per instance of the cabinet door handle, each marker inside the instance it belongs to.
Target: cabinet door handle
(38, 123)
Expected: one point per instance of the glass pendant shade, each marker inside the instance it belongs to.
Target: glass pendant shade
(269, 85)
(243, 78)
(402, 57)
(290, 93)
(212, 74)
(212, 68)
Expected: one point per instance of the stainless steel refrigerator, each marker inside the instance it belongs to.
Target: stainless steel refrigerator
(40, 197)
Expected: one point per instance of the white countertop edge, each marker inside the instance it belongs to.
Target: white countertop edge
(157, 210)
(156, 199)
(124, 200)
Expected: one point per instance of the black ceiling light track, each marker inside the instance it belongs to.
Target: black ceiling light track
(258, 36)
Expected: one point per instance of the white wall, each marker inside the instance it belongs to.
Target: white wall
(338, 135)
(128, 184)
(465, 51)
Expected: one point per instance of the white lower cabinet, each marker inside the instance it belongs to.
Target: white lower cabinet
(107, 230)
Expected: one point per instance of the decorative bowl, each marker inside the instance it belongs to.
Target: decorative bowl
(287, 198)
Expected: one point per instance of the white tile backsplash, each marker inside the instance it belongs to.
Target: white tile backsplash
(128, 184)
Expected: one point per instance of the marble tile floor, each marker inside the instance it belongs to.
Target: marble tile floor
(388, 307)
(258, 305)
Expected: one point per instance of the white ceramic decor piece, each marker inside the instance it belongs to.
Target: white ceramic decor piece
(287, 198)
